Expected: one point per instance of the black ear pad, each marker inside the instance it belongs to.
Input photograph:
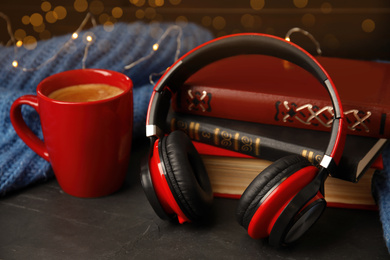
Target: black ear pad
(186, 175)
(251, 199)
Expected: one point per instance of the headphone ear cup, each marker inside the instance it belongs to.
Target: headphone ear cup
(264, 183)
(186, 175)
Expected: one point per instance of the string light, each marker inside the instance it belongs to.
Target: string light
(306, 33)
(156, 46)
(19, 44)
(9, 30)
(89, 39)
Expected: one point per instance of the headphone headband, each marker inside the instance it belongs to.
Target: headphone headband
(242, 44)
(239, 44)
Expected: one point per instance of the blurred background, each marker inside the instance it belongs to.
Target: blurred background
(357, 29)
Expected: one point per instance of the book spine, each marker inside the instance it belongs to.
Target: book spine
(275, 109)
(202, 130)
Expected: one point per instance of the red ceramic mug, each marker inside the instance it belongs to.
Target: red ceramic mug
(87, 143)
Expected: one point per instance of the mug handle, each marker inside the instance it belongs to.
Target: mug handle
(21, 128)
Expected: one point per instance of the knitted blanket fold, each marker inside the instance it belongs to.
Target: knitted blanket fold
(126, 43)
(381, 190)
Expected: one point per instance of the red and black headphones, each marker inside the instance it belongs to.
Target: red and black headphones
(285, 199)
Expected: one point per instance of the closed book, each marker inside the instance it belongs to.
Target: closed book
(269, 90)
(271, 142)
(230, 176)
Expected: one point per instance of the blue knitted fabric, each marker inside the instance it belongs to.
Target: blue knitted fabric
(126, 43)
(381, 187)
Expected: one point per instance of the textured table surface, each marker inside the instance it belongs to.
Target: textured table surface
(42, 222)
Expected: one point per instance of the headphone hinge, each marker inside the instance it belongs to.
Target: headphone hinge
(158, 113)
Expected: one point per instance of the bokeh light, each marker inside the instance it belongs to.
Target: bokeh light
(300, 3)
(26, 19)
(257, 4)
(61, 12)
(140, 14)
(96, 7)
(51, 17)
(80, 5)
(40, 28)
(206, 21)
(182, 20)
(108, 26)
(150, 13)
(46, 6)
(175, 2)
(247, 21)
(159, 3)
(137, 3)
(219, 22)
(117, 12)
(36, 19)
(30, 42)
(368, 25)
(20, 34)
(326, 8)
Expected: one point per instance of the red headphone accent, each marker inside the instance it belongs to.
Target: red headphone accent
(162, 189)
(285, 199)
(268, 212)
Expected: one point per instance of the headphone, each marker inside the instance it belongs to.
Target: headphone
(285, 199)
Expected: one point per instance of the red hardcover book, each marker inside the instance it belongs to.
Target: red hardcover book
(269, 90)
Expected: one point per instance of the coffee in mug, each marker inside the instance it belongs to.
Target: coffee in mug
(87, 143)
(85, 93)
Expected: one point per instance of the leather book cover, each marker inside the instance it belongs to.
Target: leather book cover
(269, 90)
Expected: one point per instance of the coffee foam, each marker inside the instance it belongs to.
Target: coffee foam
(85, 93)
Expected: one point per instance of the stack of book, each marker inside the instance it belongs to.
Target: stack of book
(246, 111)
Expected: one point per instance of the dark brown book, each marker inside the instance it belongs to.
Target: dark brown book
(272, 142)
